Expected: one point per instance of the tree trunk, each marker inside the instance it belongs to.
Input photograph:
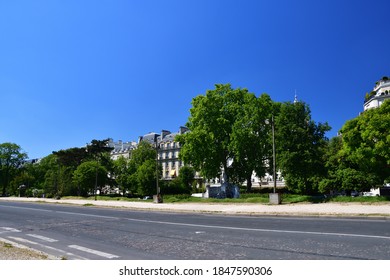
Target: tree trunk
(249, 184)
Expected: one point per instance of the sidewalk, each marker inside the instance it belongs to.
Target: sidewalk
(298, 209)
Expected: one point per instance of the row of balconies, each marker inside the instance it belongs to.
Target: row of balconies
(382, 83)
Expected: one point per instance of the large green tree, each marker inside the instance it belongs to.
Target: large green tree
(227, 131)
(366, 143)
(250, 142)
(342, 173)
(143, 170)
(124, 174)
(11, 159)
(90, 176)
(300, 145)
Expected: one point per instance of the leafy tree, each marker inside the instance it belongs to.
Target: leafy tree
(146, 177)
(48, 175)
(186, 177)
(342, 173)
(300, 144)
(250, 140)
(145, 151)
(11, 159)
(88, 175)
(143, 161)
(227, 131)
(99, 150)
(68, 161)
(124, 174)
(366, 142)
(71, 157)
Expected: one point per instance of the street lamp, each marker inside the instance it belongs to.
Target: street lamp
(96, 178)
(275, 197)
(158, 198)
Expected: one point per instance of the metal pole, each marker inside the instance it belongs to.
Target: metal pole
(96, 178)
(274, 152)
(157, 186)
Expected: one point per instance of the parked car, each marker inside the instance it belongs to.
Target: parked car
(368, 194)
(355, 193)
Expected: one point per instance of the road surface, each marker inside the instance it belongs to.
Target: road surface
(80, 232)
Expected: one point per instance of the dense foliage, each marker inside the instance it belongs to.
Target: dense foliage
(359, 158)
(227, 132)
(230, 132)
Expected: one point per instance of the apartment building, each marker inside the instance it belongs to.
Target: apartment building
(168, 151)
(378, 95)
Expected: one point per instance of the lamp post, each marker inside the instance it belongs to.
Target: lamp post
(96, 178)
(273, 152)
(274, 197)
(158, 198)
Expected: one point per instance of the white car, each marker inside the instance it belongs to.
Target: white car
(368, 194)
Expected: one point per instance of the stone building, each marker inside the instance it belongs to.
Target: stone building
(378, 95)
(121, 148)
(168, 151)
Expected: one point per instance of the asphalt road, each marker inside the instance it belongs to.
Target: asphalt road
(80, 232)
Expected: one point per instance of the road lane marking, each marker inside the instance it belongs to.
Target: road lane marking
(263, 230)
(19, 239)
(22, 240)
(87, 215)
(95, 252)
(8, 229)
(62, 212)
(215, 227)
(13, 243)
(44, 238)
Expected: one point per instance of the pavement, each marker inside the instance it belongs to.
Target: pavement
(295, 209)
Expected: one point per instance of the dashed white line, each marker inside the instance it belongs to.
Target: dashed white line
(262, 230)
(44, 238)
(22, 240)
(95, 252)
(8, 229)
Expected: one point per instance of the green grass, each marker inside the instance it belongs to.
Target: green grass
(7, 245)
(361, 199)
(102, 198)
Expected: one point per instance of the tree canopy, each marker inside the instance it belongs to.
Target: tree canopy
(300, 147)
(228, 132)
(366, 142)
(11, 159)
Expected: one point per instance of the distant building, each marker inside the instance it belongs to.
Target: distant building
(378, 95)
(168, 151)
(121, 148)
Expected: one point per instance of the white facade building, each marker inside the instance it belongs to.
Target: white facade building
(121, 149)
(378, 95)
(168, 151)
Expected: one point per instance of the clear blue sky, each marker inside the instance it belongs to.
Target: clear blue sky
(72, 71)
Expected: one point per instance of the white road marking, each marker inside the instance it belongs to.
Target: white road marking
(218, 227)
(13, 243)
(19, 239)
(95, 252)
(62, 212)
(263, 230)
(8, 229)
(23, 240)
(44, 238)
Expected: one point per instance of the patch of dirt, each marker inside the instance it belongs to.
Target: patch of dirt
(11, 252)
